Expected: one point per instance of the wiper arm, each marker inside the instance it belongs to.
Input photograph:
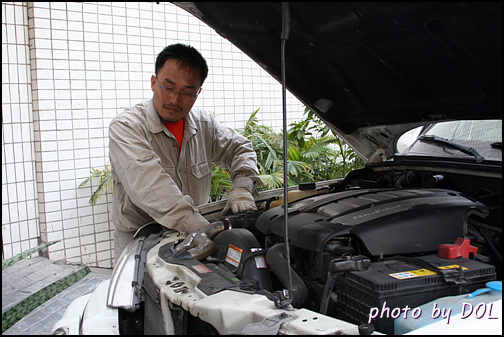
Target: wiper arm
(463, 148)
(496, 145)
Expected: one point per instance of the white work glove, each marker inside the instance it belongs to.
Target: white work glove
(199, 244)
(240, 200)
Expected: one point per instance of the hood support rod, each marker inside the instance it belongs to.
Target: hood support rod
(284, 38)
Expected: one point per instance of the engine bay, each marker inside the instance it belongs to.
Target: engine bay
(379, 237)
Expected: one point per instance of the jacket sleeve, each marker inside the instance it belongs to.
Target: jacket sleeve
(232, 150)
(148, 186)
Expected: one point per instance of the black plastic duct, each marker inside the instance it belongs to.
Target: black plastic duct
(277, 260)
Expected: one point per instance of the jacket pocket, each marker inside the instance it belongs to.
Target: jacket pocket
(201, 170)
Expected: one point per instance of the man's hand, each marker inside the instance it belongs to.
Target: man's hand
(200, 244)
(240, 200)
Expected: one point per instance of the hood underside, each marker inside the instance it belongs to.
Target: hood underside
(374, 70)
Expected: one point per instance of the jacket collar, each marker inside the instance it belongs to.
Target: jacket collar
(156, 125)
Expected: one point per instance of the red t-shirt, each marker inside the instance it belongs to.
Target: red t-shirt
(177, 129)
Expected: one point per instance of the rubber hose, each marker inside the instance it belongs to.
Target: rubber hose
(278, 264)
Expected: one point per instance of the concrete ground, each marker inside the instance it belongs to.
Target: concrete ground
(28, 276)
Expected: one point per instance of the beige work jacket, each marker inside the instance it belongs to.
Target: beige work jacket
(153, 181)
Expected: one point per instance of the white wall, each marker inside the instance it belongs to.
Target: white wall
(67, 70)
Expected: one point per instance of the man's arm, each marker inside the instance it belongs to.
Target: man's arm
(235, 152)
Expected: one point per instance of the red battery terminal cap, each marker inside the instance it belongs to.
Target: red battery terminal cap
(461, 248)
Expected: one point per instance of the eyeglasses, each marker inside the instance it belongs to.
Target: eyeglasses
(169, 91)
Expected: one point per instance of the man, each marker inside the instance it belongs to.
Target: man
(161, 154)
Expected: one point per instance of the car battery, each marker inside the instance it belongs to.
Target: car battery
(391, 287)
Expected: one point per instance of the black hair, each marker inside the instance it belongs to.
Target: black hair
(186, 55)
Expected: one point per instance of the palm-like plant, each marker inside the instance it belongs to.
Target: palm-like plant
(327, 155)
(221, 183)
(269, 148)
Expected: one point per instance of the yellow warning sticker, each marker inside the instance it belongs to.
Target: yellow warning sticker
(421, 272)
(233, 255)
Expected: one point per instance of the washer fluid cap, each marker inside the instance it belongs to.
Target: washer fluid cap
(491, 286)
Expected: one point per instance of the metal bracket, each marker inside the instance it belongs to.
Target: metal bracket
(268, 326)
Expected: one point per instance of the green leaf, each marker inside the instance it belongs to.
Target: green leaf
(105, 183)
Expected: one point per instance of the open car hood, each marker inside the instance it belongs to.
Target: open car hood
(372, 71)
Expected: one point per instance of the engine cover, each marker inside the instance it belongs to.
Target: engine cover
(385, 221)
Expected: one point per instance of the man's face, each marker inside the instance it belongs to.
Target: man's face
(173, 108)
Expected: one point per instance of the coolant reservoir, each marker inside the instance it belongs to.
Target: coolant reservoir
(304, 190)
(451, 312)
